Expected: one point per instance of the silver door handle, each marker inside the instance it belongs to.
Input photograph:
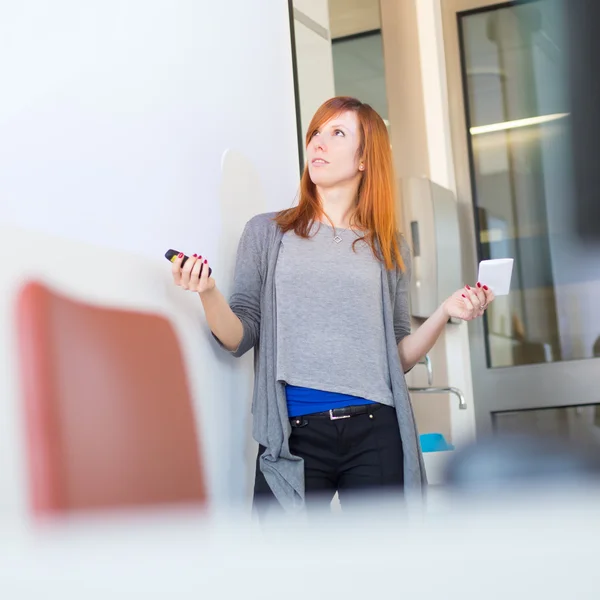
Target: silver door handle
(462, 403)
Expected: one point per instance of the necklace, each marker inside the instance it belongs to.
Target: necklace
(337, 238)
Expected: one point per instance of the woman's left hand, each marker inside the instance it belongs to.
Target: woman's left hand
(469, 303)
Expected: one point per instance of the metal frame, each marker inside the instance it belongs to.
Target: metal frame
(296, 87)
(568, 383)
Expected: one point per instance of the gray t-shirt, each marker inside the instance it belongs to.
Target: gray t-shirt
(330, 324)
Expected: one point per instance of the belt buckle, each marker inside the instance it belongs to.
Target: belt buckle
(337, 418)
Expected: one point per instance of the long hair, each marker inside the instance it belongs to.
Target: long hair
(375, 212)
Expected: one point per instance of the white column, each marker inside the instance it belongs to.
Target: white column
(441, 165)
(420, 130)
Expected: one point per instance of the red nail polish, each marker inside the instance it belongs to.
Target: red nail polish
(194, 256)
(180, 255)
(478, 284)
(463, 295)
(467, 287)
(205, 261)
(485, 287)
(199, 255)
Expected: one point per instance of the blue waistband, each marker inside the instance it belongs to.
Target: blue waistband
(305, 401)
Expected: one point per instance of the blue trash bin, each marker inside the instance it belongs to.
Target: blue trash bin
(434, 442)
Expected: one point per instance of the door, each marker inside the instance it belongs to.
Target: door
(535, 357)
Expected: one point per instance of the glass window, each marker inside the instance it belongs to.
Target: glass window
(514, 74)
(358, 69)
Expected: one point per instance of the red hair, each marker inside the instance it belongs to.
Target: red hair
(375, 212)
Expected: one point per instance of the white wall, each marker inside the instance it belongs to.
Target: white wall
(114, 121)
(349, 17)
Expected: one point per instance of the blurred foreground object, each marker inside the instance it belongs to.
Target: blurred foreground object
(513, 462)
(108, 411)
(582, 18)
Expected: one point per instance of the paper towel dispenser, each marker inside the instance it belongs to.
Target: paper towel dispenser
(432, 215)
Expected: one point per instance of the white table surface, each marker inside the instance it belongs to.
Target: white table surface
(505, 549)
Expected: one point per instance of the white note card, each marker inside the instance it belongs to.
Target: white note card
(496, 274)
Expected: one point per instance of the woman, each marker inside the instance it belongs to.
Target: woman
(321, 293)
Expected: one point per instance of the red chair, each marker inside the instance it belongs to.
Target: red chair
(109, 416)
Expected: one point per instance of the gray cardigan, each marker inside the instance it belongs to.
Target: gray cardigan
(253, 301)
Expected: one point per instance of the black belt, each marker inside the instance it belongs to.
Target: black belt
(343, 413)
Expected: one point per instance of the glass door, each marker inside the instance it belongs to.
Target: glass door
(535, 357)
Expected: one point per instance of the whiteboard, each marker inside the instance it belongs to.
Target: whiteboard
(115, 116)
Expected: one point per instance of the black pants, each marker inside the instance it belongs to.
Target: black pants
(350, 456)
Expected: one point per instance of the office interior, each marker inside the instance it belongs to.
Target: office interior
(131, 127)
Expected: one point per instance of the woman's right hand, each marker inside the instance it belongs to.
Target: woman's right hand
(189, 278)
